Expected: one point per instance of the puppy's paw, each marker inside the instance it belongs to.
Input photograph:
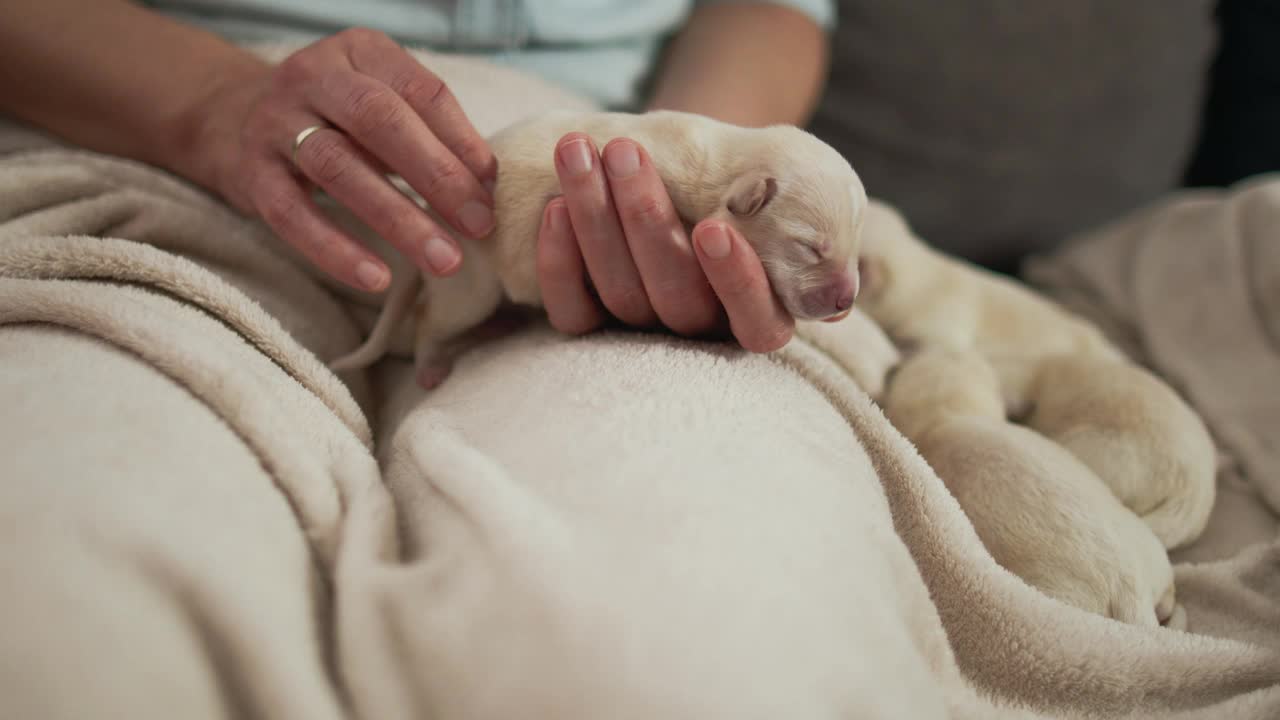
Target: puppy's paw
(431, 375)
(1112, 581)
(1169, 613)
(1132, 608)
(435, 359)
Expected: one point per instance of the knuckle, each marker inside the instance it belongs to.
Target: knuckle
(358, 36)
(444, 178)
(257, 131)
(281, 212)
(631, 305)
(294, 68)
(403, 223)
(475, 154)
(768, 339)
(554, 266)
(577, 320)
(646, 209)
(373, 110)
(277, 207)
(424, 89)
(291, 79)
(736, 285)
(330, 160)
(686, 311)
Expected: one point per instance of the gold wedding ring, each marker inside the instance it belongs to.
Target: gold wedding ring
(297, 140)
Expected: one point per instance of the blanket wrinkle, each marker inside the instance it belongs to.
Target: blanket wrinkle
(205, 242)
(979, 601)
(183, 343)
(118, 261)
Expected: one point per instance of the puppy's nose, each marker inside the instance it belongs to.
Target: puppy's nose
(848, 290)
(833, 300)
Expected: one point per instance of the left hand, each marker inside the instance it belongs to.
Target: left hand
(616, 229)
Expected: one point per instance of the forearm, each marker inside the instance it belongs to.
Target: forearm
(114, 77)
(748, 64)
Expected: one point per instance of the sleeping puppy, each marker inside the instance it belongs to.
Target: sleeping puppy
(858, 346)
(792, 197)
(1136, 434)
(921, 296)
(1039, 511)
(1057, 373)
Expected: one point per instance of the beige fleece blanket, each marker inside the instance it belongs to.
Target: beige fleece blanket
(619, 526)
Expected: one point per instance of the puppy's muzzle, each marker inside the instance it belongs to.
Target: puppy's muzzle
(832, 300)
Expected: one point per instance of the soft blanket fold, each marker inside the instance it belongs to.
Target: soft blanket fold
(636, 526)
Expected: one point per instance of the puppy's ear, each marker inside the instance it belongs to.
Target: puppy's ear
(750, 193)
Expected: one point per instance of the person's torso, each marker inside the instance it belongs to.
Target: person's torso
(601, 48)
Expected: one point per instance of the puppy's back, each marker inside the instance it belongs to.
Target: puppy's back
(1137, 434)
(938, 383)
(1047, 518)
(677, 143)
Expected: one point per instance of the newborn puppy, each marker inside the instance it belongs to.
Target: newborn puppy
(858, 345)
(1136, 434)
(921, 296)
(1041, 514)
(1057, 373)
(792, 197)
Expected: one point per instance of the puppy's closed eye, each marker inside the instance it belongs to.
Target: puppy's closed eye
(817, 251)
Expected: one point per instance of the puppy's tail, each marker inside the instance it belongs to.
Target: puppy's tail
(399, 299)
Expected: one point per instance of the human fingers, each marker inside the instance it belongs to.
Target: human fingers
(385, 125)
(672, 278)
(562, 274)
(599, 233)
(757, 319)
(333, 162)
(288, 210)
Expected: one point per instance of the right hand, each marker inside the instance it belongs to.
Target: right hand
(381, 111)
(614, 245)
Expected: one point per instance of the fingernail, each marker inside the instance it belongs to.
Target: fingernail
(576, 156)
(442, 256)
(622, 159)
(714, 241)
(476, 218)
(370, 275)
(558, 218)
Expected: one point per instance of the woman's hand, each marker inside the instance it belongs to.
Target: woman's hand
(379, 110)
(615, 230)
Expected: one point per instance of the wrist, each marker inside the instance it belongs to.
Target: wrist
(202, 141)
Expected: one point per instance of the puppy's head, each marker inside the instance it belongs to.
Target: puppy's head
(800, 205)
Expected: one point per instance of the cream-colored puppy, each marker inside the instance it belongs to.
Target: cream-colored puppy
(792, 197)
(922, 296)
(1136, 434)
(858, 345)
(1057, 372)
(1040, 512)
